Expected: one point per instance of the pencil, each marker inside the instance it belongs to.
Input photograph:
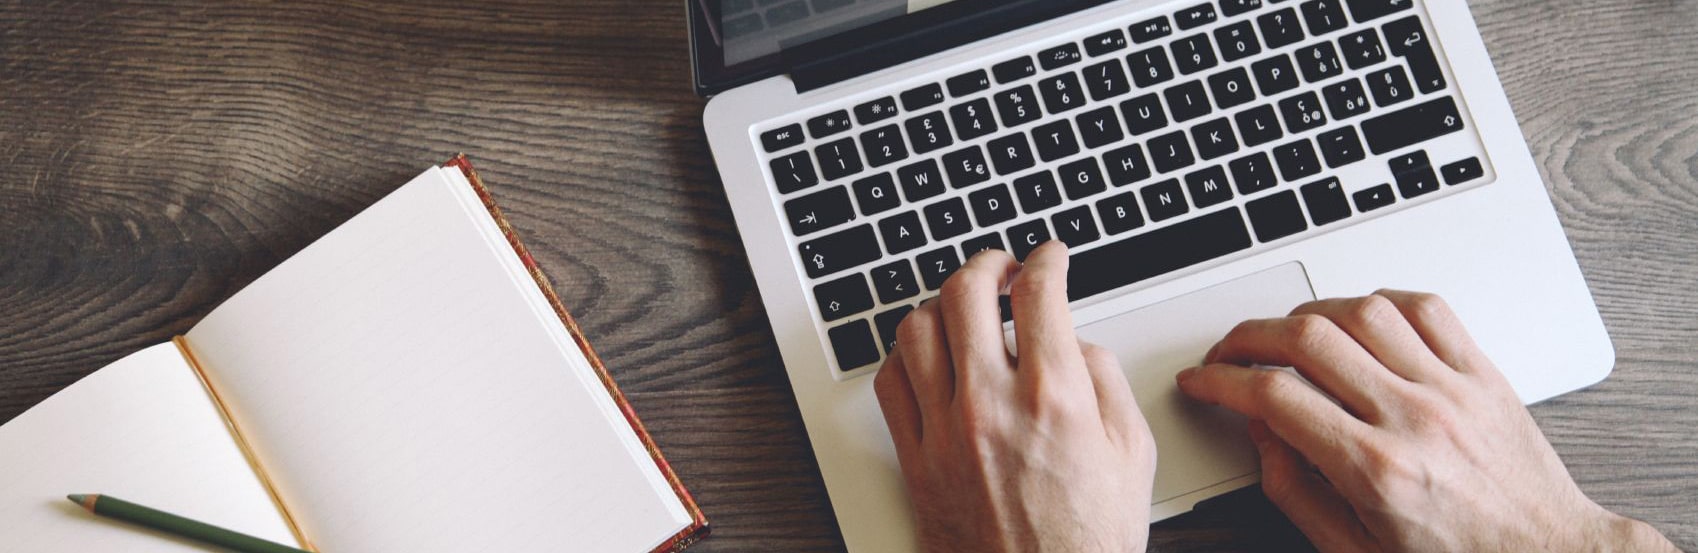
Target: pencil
(108, 506)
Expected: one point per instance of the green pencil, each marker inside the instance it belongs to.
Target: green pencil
(106, 505)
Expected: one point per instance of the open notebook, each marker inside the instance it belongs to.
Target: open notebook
(409, 382)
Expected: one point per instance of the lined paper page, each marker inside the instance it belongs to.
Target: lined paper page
(409, 389)
(141, 429)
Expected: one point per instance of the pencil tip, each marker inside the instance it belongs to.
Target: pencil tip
(76, 498)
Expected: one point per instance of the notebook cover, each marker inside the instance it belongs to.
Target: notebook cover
(698, 529)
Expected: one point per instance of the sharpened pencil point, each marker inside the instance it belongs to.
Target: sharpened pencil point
(80, 499)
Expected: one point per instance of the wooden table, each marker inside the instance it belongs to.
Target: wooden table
(159, 157)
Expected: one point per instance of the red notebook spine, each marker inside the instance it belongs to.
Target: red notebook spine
(698, 528)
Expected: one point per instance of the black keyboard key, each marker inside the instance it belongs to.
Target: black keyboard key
(1323, 16)
(843, 297)
(852, 344)
(1214, 138)
(1237, 41)
(1055, 140)
(902, 232)
(1462, 171)
(887, 323)
(1302, 112)
(1297, 160)
(1155, 253)
(884, 146)
(838, 159)
(1103, 43)
(876, 194)
(1276, 216)
(1193, 53)
(1406, 38)
(1126, 165)
(1231, 8)
(1390, 86)
(1346, 99)
(1370, 199)
(968, 83)
(1099, 127)
(1106, 80)
(876, 110)
(1011, 154)
(936, 266)
(742, 25)
(1014, 69)
(1027, 236)
(1340, 147)
(1259, 125)
(838, 251)
(1075, 227)
(1149, 67)
(1037, 192)
(781, 138)
(1143, 114)
(1208, 187)
(1119, 213)
(948, 219)
(1253, 173)
(922, 97)
(1409, 162)
(1195, 16)
(1319, 62)
(973, 119)
(1231, 88)
(1018, 106)
(1326, 201)
(1362, 49)
(1411, 125)
(1082, 179)
(1280, 28)
(1187, 101)
(793, 172)
(1061, 93)
(966, 167)
(786, 14)
(1059, 56)
(920, 180)
(928, 132)
(1275, 75)
(829, 124)
(819, 211)
(1414, 174)
(992, 206)
(1151, 29)
(976, 246)
(1164, 199)
(1368, 10)
(895, 282)
(1171, 152)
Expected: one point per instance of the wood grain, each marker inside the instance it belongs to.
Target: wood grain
(160, 155)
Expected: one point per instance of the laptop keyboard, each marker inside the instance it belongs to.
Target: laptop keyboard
(1152, 147)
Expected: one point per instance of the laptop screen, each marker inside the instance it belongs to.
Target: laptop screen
(752, 29)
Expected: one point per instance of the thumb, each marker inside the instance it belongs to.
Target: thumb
(1311, 503)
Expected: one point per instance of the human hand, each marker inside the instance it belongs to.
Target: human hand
(1045, 452)
(1427, 447)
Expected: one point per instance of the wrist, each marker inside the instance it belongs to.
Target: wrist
(1613, 532)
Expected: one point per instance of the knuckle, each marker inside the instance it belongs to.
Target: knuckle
(1428, 307)
(1048, 401)
(1309, 332)
(1390, 476)
(1098, 355)
(916, 327)
(1270, 385)
(1372, 310)
(1033, 284)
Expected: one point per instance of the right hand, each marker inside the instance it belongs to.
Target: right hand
(1421, 446)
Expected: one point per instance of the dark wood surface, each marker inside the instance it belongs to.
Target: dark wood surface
(158, 156)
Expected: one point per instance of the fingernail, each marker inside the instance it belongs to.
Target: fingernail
(1210, 356)
(1186, 374)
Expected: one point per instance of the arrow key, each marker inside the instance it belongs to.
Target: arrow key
(819, 211)
(895, 282)
(843, 297)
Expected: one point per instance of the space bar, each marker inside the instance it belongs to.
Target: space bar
(1156, 253)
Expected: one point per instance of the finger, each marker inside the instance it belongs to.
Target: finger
(1308, 500)
(972, 321)
(896, 400)
(1043, 327)
(925, 357)
(1377, 324)
(1115, 401)
(1320, 351)
(1298, 413)
(1440, 329)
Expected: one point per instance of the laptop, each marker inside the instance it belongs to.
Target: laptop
(1206, 161)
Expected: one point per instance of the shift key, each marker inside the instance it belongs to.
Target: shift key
(842, 250)
(1412, 125)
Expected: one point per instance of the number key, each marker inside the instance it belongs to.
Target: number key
(973, 119)
(1017, 106)
(884, 146)
(1061, 93)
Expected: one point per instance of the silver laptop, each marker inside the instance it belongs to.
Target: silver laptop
(1207, 162)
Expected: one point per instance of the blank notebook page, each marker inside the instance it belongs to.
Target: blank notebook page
(409, 388)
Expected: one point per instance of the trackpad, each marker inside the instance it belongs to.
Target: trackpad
(1198, 446)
